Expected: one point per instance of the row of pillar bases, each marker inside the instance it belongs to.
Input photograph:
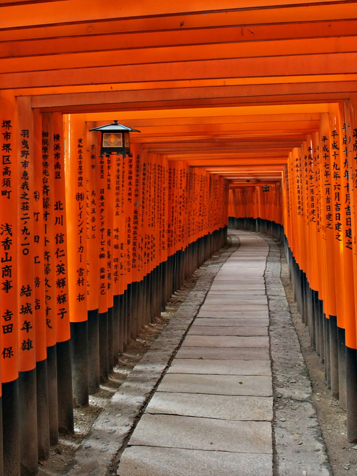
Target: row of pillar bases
(326, 338)
(39, 404)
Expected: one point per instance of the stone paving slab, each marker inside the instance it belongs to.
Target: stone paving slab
(230, 274)
(148, 461)
(245, 385)
(249, 294)
(234, 299)
(233, 287)
(258, 256)
(225, 407)
(237, 263)
(203, 434)
(252, 259)
(238, 286)
(220, 367)
(240, 292)
(228, 331)
(210, 321)
(221, 353)
(233, 314)
(226, 341)
(239, 268)
(234, 304)
(232, 284)
(243, 305)
(243, 276)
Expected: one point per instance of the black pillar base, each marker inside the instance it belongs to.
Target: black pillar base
(93, 352)
(334, 356)
(121, 323)
(103, 346)
(110, 340)
(79, 357)
(116, 313)
(327, 351)
(28, 423)
(341, 343)
(43, 423)
(351, 378)
(64, 388)
(52, 393)
(11, 428)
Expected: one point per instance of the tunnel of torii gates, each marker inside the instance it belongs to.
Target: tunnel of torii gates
(247, 113)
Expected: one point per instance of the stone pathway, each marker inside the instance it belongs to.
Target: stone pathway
(212, 412)
(223, 391)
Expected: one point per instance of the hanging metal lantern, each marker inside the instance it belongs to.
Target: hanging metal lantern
(115, 138)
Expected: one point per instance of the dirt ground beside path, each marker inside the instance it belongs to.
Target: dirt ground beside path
(332, 418)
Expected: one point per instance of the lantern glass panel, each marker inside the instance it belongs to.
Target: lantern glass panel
(112, 139)
(127, 140)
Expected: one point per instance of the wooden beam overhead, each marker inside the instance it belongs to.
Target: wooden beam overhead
(165, 54)
(336, 63)
(139, 15)
(216, 35)
(116, 99)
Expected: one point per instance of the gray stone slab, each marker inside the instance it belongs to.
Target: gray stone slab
(221, 353)
(210, 321)
(233, 277)
(257, 260)
(235, 300)
(150, 461)
(243, 275)
(234, 271)
(260, 385)
(245, 305)
(228, 331)
(240, 267)
(225, 407)
(233, 314)
(238, 288)
(233, 284)
(226, 341)
(220, 367)
(237, 292)
(172, 431)
(246, 259)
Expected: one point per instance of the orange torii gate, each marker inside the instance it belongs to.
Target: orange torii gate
(99, 234)
(260, 91)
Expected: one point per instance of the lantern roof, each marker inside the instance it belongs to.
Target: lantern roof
(115, 127)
